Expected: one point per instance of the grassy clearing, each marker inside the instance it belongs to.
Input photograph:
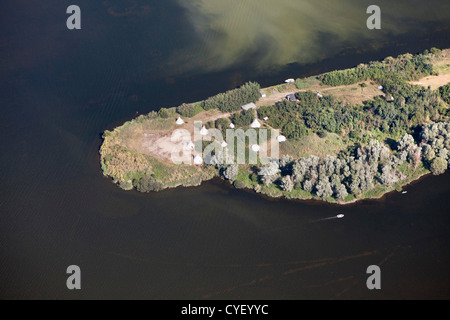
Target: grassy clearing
(330, 144)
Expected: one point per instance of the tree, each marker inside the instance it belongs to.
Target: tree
(286, 183)
(230, 172)
(189, 110)
(438, 166)
(163, 113)
(323, 189)
(340, 192)
(308, 186)
(148, 184)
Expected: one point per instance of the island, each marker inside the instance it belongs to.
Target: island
(340, 136)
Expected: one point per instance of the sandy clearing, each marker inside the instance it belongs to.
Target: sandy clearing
(159, 144)
(433, 81)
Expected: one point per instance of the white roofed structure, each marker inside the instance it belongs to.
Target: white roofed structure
(248, 106)
(198, 160)
(255, 148)
(281, 138)
(203, 131)
(179, 121)
(231, 125)
(255, 124)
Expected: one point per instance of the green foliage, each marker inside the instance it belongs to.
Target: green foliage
(405, 67)
(233, 100)
(148, 184)
(163, 113)
(189, 110)
(438, 166)
(239, 184)
(244, 118)
(295, 129)
(445, 93)
(222, 123)
(305, 82)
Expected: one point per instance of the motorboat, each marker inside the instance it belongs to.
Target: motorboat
(340, 216)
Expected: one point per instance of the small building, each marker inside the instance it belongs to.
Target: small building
(266, 118)
(248, 106)
(289, 80)
(262, 93)
(281, 138)
(291, 97)
(232, 125)
(224, 144)
(380, 88)
(179, 121)
(255, 124)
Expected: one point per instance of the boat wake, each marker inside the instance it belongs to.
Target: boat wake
(339, 216)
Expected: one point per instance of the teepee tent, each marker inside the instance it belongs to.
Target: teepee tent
(179, 121)
(198, 160)
(203, 131)
(255, 124)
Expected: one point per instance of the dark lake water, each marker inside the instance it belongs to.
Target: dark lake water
(60, 89)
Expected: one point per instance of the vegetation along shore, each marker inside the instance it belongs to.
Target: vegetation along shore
(344, 135)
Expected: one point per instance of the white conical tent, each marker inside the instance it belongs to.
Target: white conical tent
(179, 121)
(198, 160)
(281, 138)
(255, 124)
(255, 148)
(203, 131)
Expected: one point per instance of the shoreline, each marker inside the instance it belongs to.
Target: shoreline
(141, 147)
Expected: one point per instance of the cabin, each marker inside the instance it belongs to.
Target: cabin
(262, 93)
(248, 106)
(291, 97)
